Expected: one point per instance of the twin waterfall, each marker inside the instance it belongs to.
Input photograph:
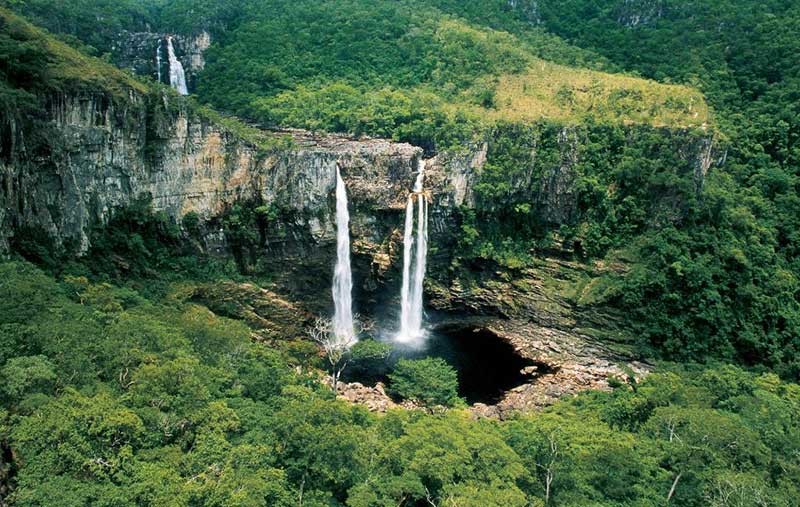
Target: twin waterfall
(342, 275)
(177, 76)
(414, 265)
(414, 259)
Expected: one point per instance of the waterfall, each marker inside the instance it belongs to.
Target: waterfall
(158, 58)
(414, 251)
(342, 276)
(177, 77)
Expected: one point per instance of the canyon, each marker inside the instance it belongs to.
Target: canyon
(86, 155)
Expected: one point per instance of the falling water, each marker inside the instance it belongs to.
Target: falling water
(411, 292)
(158, 59)
(405, 296)
(177, 77)
(342, 276)
(419, 271)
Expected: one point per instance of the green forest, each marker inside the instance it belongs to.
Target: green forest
(140, 366)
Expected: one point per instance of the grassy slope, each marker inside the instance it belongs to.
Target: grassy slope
(61, 66)
(412, 50)
(543, 90)
(549, 91)
(458, 63)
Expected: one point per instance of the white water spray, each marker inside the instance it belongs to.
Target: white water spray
(342, 275)
(412, 289)
(177, 77)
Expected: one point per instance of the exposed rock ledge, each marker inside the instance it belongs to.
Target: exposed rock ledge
(569, 363)
(576, 347)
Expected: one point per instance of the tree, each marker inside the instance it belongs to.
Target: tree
(449, 460)
(22, 376)
(697, 441)
(541, 444)
(430, 382)
(321, 444)
(370, 359)
(336, 348)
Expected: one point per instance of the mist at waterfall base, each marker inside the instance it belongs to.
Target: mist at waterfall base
(487, 366)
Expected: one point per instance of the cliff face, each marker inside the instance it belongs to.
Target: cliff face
(632, 13)
(90, 154)
(529, 9)
(68, 169)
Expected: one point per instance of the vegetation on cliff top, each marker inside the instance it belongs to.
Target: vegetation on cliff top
(34, 63)
(408, 71)
(404, 70)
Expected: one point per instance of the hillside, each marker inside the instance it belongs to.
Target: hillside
(376, 70)
(35, 62)
(373, 67)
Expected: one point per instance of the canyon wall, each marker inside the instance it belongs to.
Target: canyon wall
(65, 171)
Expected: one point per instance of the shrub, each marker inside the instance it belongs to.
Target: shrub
(430, 382)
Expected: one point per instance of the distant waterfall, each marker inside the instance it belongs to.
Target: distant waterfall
(158, 59)
(342, 275)
(177, 77)
(414, 260)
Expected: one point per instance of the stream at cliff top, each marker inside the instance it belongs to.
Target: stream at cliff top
(487, 366)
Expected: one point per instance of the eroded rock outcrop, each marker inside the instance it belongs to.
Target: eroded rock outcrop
(574, 347)
(633, 13)
(91, 154)
(529, 10)
(270, 315)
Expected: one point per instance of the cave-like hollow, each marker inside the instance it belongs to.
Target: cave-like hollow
(487, 365)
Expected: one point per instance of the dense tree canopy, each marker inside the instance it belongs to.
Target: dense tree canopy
(111, 398)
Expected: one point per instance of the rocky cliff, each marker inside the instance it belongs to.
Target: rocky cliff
(90, 154)
(85, 155)
(633, 13)
(529, 10)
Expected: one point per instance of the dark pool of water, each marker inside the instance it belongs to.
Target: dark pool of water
(487, 366)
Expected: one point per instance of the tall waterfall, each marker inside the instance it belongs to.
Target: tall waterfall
(342, 275)
(158, 58)
(177, 77)
(414, 259)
